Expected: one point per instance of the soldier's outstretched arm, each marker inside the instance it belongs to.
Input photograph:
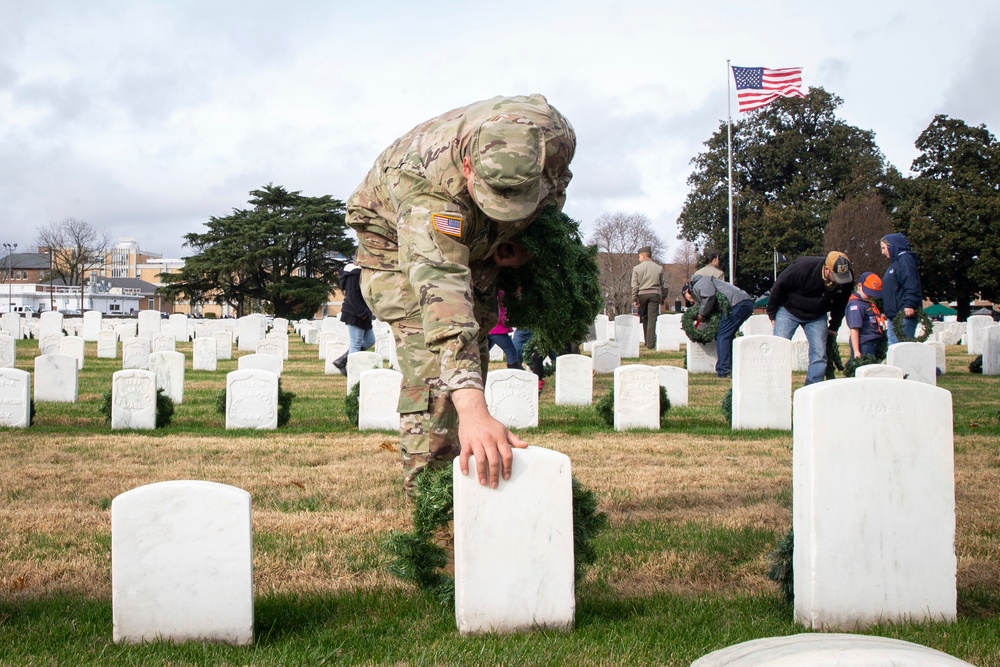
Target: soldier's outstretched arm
(484, 437)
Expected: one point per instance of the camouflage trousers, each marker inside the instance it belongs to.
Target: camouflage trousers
(428, 422)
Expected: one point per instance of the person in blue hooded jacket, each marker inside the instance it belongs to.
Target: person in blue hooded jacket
(900, 285)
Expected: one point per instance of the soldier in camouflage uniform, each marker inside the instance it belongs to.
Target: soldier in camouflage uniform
(436, 218)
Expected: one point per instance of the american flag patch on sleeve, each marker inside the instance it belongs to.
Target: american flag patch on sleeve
(447, 224)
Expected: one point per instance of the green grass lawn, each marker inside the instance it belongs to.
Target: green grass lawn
(694, 511)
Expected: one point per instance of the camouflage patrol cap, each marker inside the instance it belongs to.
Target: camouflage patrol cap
(508, 156)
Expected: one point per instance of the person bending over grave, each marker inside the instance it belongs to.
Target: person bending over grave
(437, 217)
(866, 321)
(808, 291)
(704, 290)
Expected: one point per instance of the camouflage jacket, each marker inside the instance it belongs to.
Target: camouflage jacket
(417, 183)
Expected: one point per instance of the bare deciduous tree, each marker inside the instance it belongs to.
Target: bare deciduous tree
(76, 247)
(855, 227)
(686, 256)
(618, 237)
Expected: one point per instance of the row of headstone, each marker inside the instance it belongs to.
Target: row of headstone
(182, 568)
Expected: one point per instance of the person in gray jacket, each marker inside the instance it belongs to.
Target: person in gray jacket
(703, 291)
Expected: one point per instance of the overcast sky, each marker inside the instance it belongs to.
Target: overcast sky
(146, 118)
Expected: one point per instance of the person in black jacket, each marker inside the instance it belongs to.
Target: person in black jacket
(805, 293)
(355, 314)
(900, 285)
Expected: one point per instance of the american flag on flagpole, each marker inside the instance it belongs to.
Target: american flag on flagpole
(757, 87)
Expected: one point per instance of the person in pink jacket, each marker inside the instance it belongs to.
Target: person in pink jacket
(500, 336)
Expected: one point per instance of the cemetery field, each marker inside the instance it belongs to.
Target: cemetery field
(694, 511)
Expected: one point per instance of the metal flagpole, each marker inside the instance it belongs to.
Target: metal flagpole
(729, 150)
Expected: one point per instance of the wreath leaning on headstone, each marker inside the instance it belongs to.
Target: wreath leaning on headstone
(976, 365)
(853, 364)
(781, 566)
(833, 361)
(420, 557)
(710, 327)
(924, 320)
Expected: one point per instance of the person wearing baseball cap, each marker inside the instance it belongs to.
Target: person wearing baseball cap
(438, 214)
(812, 293)
(865, 320)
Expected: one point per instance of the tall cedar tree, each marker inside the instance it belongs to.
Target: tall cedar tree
(950, 212)
(279, 253)
(856, 227)
(794, 161)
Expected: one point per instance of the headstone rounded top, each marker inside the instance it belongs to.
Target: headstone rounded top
(828, 650)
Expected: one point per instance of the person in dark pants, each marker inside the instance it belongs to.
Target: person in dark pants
(649, 289)
(355, 314)
(703, 291)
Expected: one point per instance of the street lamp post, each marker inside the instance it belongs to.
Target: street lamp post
(10, 248)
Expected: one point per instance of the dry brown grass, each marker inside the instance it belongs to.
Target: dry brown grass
(322, 504)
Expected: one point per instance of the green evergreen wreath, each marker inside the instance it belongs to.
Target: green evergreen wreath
(727, 406)
(605, 407)
(418, 556)
(833, 361)
(924, 319)
(710, 327)
(853, 364)
(557, 294)
(976, 365)
(352, 404)
(781, 566)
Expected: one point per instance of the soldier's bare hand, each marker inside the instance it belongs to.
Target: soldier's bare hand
(484, 437)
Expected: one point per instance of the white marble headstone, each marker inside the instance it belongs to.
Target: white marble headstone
(265, 362)
(628, 335)
(15, 397)
(675, 381)
(334, 350)
(73, 346)
(701, 357)
(757, 325)
(669, 334)
(358, 362)
(601, 327)
(606, 356)
(163, 342)
(800, 356)
(916, 359)
(181, 563)
(56, 378)
(127, 329)
(91, 325)
(133, 399)
(252, 399)
(203, 354)
(178, 326)
(50, 343)
(637, 397)
(762, 382)
(251, 330)
(107, 344)
(135, 353)
(574, 380)
(168, 367)
(991, 350)
(11, 323)
(276, 339)
(280, 325)
(323, 339)
(940, 361)
(50, 322)
(223, 345)
(8, 351)
(828, 650)
(879, 371)
(513, 561)
(873, 505)
(149, 322)
(378, 399)
(973, 332)
(512, 397)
